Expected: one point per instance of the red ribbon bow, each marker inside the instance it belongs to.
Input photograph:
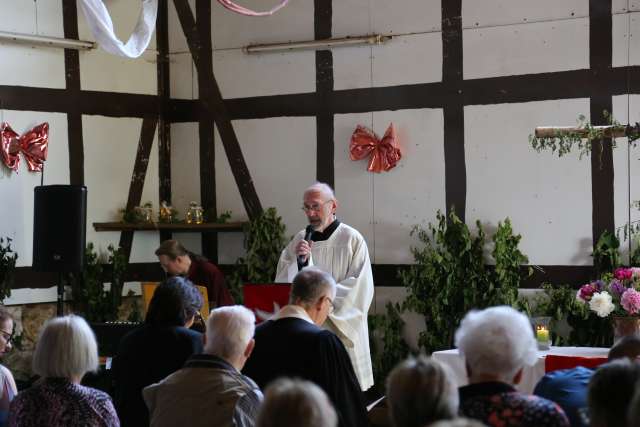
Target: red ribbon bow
(33, 145)
(384, 152)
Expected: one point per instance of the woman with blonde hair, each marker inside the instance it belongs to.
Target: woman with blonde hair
(65, 351)
(296, 403)
(420, 391)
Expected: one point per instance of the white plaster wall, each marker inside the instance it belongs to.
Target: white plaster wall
(27, 66)
(626, 160)
(110, 152)
(547, 198)
(526, 48)
(281, 155)
(102, 71)
(16, 189)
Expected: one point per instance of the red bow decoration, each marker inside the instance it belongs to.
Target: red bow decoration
(33, 145)
(385, 154)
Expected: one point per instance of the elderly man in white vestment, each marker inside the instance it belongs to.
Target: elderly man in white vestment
(341, 251)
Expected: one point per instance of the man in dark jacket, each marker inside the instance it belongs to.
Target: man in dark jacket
(293, 345)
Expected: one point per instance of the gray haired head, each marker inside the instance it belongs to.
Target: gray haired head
(309, 285)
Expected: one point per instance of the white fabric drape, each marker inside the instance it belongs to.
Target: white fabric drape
(248, 12)
(101, 26)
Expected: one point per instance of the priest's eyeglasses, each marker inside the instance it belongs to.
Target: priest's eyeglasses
(314, 208)
(331, 305)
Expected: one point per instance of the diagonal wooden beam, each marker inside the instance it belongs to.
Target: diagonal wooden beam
(215, 108)
(137, 179)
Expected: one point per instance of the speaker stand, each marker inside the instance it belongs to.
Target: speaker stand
(60, 295)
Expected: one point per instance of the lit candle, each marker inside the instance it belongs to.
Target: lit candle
(542, 334)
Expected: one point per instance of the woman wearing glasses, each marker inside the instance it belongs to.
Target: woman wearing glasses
(7, 384)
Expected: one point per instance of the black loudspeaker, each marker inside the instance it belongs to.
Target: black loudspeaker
(59, 228)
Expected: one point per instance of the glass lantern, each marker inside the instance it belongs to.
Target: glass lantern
(542, 332)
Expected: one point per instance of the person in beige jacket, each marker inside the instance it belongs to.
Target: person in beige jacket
(210, 390)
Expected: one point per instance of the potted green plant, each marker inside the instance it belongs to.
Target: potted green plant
(264, 241)
(8, 260)
(90, 298)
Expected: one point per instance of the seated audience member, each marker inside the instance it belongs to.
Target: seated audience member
(457, 422)
(65, 351)
(610, 391)
(420, 392)
(210, 390)
(296, 403)
(177, 261)
(294, 345)
(568, 387)
(497, 343)
(156, 349)
(7, 384)
(633, 418)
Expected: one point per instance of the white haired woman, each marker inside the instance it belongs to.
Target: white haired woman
(497, 343)
(65, 351)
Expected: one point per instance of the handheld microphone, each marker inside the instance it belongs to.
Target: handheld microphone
(307, 236)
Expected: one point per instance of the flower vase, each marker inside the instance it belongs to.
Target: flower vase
(624, 326)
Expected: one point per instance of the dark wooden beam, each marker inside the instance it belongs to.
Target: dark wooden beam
(87, 102)
(453, 111)
(217, 110)
(72, 79)
(136, 186)
(383, 275)
(206, 128)
(600, 57)
(164, 95)
(323, 12)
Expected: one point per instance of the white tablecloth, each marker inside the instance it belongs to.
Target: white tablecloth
(531, 374)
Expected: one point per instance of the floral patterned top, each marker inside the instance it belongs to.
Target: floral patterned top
(500, 405)
(57, 402)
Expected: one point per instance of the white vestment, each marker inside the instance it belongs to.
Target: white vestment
(345, 256)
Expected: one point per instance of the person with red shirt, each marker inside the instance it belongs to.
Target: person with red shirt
(177, 261)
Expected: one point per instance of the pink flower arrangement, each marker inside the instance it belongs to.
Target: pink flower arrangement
(616, 294)
(630, 301)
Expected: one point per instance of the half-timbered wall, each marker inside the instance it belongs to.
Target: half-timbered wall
(465, 82)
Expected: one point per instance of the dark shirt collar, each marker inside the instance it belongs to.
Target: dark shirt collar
(319, 236)
(484, 389)
(208, 361)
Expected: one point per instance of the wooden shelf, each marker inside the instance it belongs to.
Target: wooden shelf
(174, 227)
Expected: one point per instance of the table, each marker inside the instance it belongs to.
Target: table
(530, 375)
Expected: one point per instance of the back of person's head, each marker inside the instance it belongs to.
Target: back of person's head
(66, 348)
(296, 403)
(628, 346)
(633, 418)
(610, 391)
(309, 285)
(497, 341)
(175, 302)
(229, 331)
(420, 391)
(171, 248)
(457, 422)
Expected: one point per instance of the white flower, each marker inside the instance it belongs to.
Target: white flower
(601, 303)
